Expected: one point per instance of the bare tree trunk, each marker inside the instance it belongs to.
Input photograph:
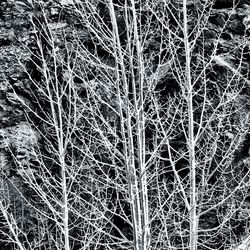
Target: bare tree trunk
(191, 139)
(140, 120)
(137, 181)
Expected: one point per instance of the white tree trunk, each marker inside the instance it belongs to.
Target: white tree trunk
(191, 139)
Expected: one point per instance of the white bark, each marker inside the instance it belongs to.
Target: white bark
(191, 138)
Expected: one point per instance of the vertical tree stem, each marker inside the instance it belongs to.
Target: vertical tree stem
(191, 141)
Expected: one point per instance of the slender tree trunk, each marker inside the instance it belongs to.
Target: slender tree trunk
(58, 123)
(136, 169)
(143, 196)
(191, 142)
(128, 144)
(61, 150)
(65, 205)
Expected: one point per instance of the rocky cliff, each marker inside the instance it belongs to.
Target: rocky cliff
(18, 29)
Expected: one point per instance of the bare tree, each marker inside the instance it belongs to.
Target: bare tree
(138, 131)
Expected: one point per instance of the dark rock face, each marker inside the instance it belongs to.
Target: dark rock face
(17, 94)
(223, 4)
(236, 25)
(219, 18)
